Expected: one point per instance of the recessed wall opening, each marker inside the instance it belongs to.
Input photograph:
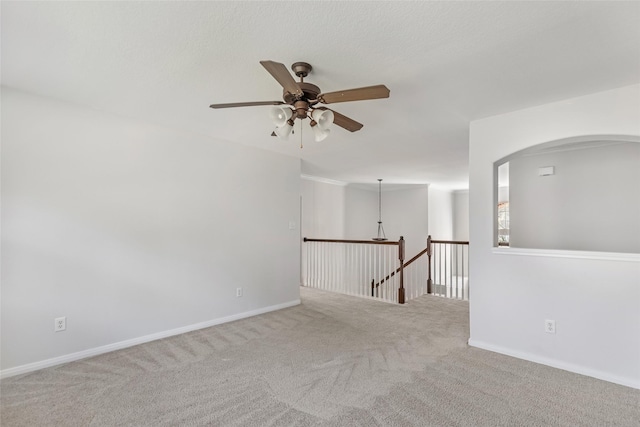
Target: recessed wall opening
(580, 194)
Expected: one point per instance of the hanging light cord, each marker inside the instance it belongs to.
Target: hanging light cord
(380, 201)
(381, 234)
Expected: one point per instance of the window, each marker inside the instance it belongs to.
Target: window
(503, 224)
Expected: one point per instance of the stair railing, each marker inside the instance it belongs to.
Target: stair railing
(446, 268)
(377, 268)
(348, 266)
(448, 271)
(414, 272)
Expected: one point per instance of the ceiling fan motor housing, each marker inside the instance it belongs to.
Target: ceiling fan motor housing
(309, 90)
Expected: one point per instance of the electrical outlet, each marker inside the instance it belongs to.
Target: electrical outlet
(238, 292)
(59, 324)
(550, 326)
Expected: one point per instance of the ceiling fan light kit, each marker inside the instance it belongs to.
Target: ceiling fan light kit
(280, 115)
(321, 122)
(318, 133)
(284, 131)
(324, 119)
(282, 118)
(303, 98)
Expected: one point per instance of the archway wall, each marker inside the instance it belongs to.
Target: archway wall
(593, 296)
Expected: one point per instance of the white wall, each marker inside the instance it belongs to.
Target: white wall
(461, 215)
(440, 214)
(407, 214)
(591, 202)
(131, 230)
(404, 213)
(361, 213)
(594, 298)
(323, 209)
(336, 210)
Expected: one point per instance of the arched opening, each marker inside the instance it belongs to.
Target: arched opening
(580, 194)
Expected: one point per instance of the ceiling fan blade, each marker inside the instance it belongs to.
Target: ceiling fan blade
(359, 94)
(283, 76)
(245, 104)
(343, 121)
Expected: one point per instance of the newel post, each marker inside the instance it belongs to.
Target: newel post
(401, 258)
(429, 281)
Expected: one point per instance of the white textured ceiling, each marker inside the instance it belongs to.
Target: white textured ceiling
(446, 63)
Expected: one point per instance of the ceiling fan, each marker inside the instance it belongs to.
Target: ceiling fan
(304, 98)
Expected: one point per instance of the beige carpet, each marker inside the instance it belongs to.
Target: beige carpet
(335, 360)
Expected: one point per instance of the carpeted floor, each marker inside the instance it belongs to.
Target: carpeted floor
(334, 360)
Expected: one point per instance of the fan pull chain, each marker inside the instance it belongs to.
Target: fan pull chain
(300, 134)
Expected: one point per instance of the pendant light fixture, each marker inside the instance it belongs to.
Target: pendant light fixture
(381, 236)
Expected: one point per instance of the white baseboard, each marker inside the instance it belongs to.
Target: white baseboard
(629, 382)
(30, 367)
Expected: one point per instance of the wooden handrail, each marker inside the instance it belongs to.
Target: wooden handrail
(429, 254)
(455, 242)
(431, 251)
(400, 243)
(422, 252)
(367, 242)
